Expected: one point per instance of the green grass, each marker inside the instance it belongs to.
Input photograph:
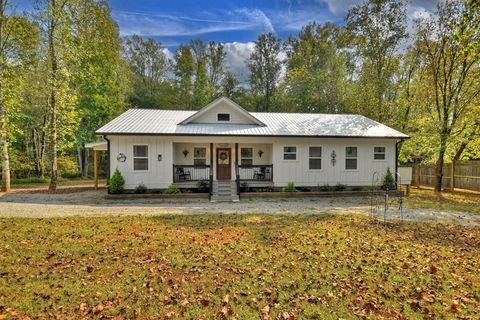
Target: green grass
(237, 266)
(36, 182)
(456, 201)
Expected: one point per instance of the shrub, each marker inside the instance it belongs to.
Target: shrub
(340, 187)
(116, 183)
(290, 187)
(325, 187)
(141, 188)
(21, 165)
(67, 167)
(244, 187)
(203, 186)
(388, 180)
(172, 189)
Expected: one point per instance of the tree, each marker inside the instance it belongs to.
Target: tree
(448, 45)
(201, 90)
(215, 58)
(149, 66)
(17, 42)
(184, 69)
(100, 77)
(316, 70)
(265, 66)
(60, 56)
(229, 84)
(377, 28)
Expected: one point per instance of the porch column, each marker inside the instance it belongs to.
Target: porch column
(237, 172)
(95, 169)
(211, 168)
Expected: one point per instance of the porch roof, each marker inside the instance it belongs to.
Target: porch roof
(167, 122)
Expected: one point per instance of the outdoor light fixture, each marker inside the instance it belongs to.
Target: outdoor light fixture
(260, 152)
(185, 152)
(159, 157)
(333, 156)
(121, 157)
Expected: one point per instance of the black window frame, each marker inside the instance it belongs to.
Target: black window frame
(226, 117)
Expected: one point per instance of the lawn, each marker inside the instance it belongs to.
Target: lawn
(44, 182)
(456, 201)
(237, 267)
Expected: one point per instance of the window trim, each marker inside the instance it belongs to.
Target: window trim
(147, 157)
(347, 157)
(295, 153)
(246, 158)
(229, 117)
(384, 153)
(206, 155)
(321, 158)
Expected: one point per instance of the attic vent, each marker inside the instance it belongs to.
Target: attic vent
(223, 117)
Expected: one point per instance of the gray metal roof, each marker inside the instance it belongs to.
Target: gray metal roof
(166, 122)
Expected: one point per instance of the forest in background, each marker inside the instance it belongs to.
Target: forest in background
(65, 71)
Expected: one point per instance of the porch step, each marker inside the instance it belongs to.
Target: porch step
(224, 191)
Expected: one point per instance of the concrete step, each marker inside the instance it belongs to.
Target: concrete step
(224, 191)
(217, 198)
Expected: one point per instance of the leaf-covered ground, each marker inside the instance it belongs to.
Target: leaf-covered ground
(456, 201)
(237, 267)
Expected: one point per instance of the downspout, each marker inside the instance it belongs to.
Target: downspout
(108, 161)
(396, 161)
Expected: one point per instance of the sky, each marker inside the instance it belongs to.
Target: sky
(236, 23)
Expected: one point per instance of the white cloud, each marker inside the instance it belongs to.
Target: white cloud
(339, 7)
(153, 24)
(149, 24)
(257, 17)
(237, 55)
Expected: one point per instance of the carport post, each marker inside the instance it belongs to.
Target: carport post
(95, 169)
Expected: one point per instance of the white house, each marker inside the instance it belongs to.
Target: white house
(223, 146)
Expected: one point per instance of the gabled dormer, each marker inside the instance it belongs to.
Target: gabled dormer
(223, 111)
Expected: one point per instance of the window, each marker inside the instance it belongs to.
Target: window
(140, 158)
(351, 158)
(200, 156)
(223, 117)
(315, 158)
(246, 156)
(379, 153)
(289, 153)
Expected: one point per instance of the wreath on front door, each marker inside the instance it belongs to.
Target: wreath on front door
(223, 156)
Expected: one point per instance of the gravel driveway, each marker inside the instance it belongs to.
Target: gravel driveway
(92, 203)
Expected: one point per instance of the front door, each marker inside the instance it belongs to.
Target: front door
(224, 170)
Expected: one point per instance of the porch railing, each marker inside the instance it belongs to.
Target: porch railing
(186, 173)
(256, 172)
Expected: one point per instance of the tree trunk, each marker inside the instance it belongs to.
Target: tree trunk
(4, 150)
(4, 159)
(460, 150)
(53, 98)
(440, 161)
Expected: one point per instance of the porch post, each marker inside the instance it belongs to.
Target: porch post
(211, 168)
(95, 169)
(237, 173)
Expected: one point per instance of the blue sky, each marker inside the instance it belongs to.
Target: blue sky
(175, 22)
(236, 23)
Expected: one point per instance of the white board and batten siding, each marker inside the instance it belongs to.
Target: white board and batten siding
(160, 173)
(298, 172)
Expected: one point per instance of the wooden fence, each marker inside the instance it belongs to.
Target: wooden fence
(459, 174)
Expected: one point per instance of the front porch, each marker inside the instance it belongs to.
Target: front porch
(197, 165)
